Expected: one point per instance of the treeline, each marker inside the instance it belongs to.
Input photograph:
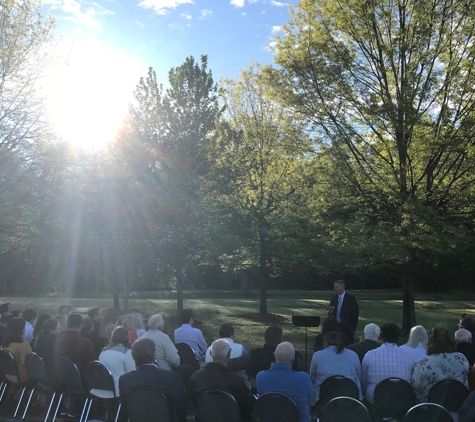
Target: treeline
(352, 156)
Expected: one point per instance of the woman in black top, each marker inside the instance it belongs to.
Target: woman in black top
(44, 348)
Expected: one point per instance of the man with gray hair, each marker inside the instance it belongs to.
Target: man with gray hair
(148, 374)
(281, 379)
(166, 354)
(369, 341)
(463, 342)
(217, 375)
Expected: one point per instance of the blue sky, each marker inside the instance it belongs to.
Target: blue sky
(106, 45)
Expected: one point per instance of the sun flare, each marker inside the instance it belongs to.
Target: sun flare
(88, 96)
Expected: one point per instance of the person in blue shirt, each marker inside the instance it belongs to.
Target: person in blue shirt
(281, 379)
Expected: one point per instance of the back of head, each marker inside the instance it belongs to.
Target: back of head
(143, 351)
(330, 323)
(93, 312)
(440, 341)
(5, 317)
(463, 336)
(418, 335)
(45, 334)
(138, 320)
(39, 323)
(468, 323)
(111, 315)
(29, 315)
(128, 321)
(74, 321)
(284, 353)
(220, 350)
(65, 310)
(5, 307)
(390, 332)
(334, 339)
(273, 335)
(87, 326)
(226, 331)
(371, 332)
(13, 332)
(120, 335)
(186, 315)
(156, 322)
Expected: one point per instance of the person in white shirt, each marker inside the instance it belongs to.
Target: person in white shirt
(416, 344)
(29, 316)
(189, 335)
(226, 331)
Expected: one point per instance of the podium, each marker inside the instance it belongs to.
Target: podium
(305, 321)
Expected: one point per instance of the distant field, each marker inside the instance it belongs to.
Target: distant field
(211, 313)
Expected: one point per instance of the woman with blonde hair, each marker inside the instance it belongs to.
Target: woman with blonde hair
(138, 322)
(416, 344)
(109, 322)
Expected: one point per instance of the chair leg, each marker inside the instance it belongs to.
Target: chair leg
(28, 403)
(87, 411)
(19, 402)
(57, 406)
(118, 412)
(49, 407)
(2, 390)
(84, 409)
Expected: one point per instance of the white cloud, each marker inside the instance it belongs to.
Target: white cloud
(160, 6)
(243, 13)
(238, 3)
(271, 46)
(277, 3)
(184, 15)
(205, 13)
(140, 24)
(102, 10)
(276, 28)
(78, 12)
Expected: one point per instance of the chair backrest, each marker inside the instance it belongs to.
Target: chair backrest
(217, 406)
(69, 380)
(393, 397)
(275, 407)
(428, 412)
(99, 376)
(345, 409)
(187, 356)
(8, 364)
(337, 386)
(148, 404)
(450, 394)
(37, 374)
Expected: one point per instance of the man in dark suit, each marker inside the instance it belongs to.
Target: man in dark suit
(368, 342)
(344, 308)
(147, 374)
(217, 375)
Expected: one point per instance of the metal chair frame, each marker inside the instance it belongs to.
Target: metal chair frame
(11, 369)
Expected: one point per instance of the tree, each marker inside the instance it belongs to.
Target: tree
(262, 177)
(389, 90)
(166, 143)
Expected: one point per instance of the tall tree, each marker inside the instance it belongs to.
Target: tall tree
(167, 146)
(389, 88)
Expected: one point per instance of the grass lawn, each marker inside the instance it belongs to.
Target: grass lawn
(211, 313)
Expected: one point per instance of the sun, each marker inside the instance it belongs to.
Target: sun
(88, 96)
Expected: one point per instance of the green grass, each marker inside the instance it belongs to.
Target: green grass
(211, 313)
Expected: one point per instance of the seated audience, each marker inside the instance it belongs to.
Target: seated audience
(96, 315)
(166, 353)
(189, 335)
(369, 341)
(6, 307)
(281, 379)
(463, 343)
(388, 360)
(138, 322)
(39, 324)
(4, 318)
(17, 313)
(334, 359)
(467, 411)
(226, 331)
(44, 347)
(117, 356)
(330, 324)
(14, 342)
(442, 362)
(416, 344)
(148, 374)
(467, 323)
(87, 331)
(29, 316)
(65, 310)
(61, 319)
(109, 322)
(128, 321)
(217, 375)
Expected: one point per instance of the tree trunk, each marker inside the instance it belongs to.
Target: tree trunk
(116, 300)
(126, 303)
(408, 296)
(262, 278)
(179, 289)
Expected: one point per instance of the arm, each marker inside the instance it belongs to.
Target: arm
(201, 341)
(25, 350)
(364, 374)
(171, 352)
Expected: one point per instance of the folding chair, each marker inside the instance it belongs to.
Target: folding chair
(275, 407)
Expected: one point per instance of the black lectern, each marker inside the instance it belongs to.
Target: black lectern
(305, 321)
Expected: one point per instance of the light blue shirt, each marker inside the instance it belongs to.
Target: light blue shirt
(193, 337)
(328, 362)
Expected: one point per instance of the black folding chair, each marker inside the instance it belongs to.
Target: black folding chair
(217, 406)
(99, 377)
(39, 380)
(393, 397)
(345, 409)
(336, 386)
(450, 394)
(187, 356)
(8, 367)
(148, 404)
(69, 383)
(275, 407)
(428, 412)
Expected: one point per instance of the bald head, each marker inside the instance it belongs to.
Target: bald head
(221, 351)
(284, 353)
